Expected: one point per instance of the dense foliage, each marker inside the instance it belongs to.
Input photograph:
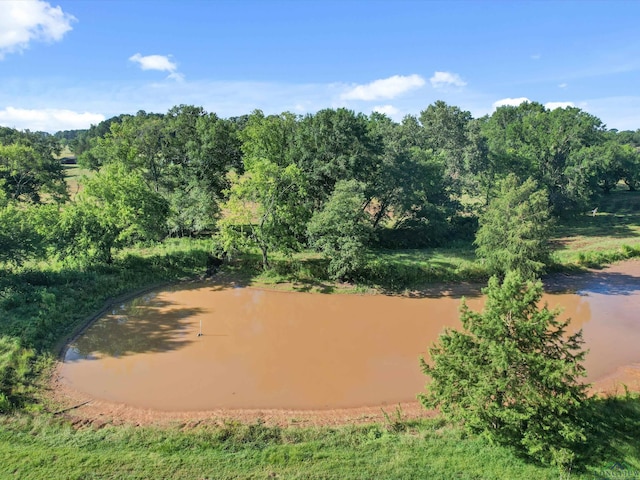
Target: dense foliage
(424, 181)
(515, 229)
(513, 373)
(341, 231)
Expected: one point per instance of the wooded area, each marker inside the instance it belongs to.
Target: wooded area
(336, 181)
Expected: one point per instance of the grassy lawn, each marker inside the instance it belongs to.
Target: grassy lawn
(617, 223)
(43, 447)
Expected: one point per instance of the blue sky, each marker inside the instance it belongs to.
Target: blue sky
(69, 63)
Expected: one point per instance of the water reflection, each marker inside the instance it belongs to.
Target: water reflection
(147, 324)
(265, 349)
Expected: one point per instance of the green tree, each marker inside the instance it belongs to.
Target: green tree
(446, 131)
(335, 145)
(199, 149)
(515, 229)
(19, 235)
(532, 141)
(271, 137)
(341, 230)
(601, 167)
(408, 185)
(266, 208)
(183, 155)
(116, 208)
(267, 204)
(512, 374)
(27, 173)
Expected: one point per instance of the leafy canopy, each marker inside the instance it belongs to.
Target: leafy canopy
(266, 208)
(115, 209)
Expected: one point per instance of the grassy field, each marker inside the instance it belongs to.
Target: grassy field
(583, 239)
(74, 174)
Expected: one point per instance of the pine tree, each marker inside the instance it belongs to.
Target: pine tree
(513, 374)
(515, 229)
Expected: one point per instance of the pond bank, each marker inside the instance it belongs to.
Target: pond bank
(620, 280)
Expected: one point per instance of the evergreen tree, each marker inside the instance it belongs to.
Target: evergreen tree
(512, 374)
(515, 229)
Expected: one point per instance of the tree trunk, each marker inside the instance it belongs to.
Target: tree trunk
(265, 259)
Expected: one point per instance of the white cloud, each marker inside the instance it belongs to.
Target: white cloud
(48, 119)
(536, 56)
(511, 102)
(389, 110)
(563, 85)
(161, 63)
(446, 79)
(177, 76)
(24, 21)
(154, 62)
(554, 105)
(384, 88)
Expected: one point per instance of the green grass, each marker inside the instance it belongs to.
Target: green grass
(44, 447)
(586, 239)
(73, 176)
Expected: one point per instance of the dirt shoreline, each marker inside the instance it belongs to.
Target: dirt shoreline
(82, 409)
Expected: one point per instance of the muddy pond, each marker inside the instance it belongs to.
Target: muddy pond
(284, 350)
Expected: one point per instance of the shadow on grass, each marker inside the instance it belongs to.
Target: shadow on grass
(603, 225)
(613, 432)
(429, 255)
(315, 286)
(454, 290)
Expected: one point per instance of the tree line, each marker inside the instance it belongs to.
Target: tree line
(335, 181)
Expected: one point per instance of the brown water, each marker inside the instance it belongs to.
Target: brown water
(267, 349)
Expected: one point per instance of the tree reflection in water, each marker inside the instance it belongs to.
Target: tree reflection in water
(157, 328)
